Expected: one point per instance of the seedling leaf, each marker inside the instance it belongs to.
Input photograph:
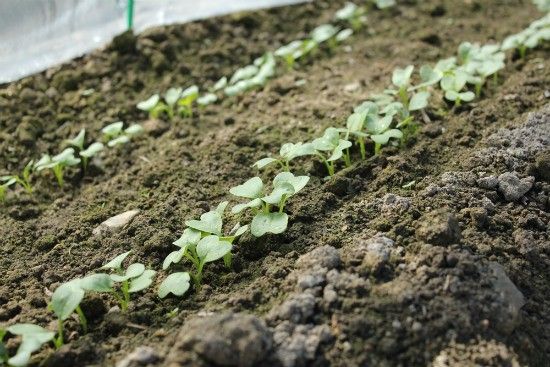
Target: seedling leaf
(116, 263)
(142, 282)
(211, 248)
(175, 283)
(251, 189)
(264, 223)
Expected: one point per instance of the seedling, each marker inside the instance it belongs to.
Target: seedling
(114, 134)
(355, 125)
(207, 99)
(32, 339)
(252, 76)
(380, 132)
(325, 33)
(353, 14)
(58, 163)
(186, 100)
(343, 35)
(530, 37)
(285, 185)
(23, 180)
(287, 153)
(401, 78)
(453, 83)
(67, 297)
(134, 278)
(89, 153)
(78, 141)
(153, 106)
(219, 85)
(331, 148)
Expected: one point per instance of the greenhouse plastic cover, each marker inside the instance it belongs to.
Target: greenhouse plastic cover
(37, 34)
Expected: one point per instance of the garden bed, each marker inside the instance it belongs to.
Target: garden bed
(451, 271)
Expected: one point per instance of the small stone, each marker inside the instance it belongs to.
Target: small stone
(512, 187)
(352, 87)
(141, 356)
(511, 297)
(115, 223)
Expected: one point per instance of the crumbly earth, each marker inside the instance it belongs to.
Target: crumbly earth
(453, 271)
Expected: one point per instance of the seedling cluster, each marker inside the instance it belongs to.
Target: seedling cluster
(74, 154)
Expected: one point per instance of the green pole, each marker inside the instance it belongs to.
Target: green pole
(130, 14)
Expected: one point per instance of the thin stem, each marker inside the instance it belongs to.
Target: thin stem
(82, 318)
(58, 172)
(347, 159)
(403, 95)
(522, 51)
(362, 148)
(282, 203)
(58, 342)
(124, 287)
(377, 147)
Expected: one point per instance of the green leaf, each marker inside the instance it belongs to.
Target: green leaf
(401, 77)
(288, 49)
(323, 33)
(328, 141)
(207, 99)
(190, 93)
(33, 337)
(173, 258)
(211, 248)
(246, 72)
(96, 283)
(220, 84)
(172, 95)
(66, 158)
(38, 332)
(116, 263)
(263, 162)
(210, 222)
(142, 282)
(369, 107)
(339, 150)
(344, 34)
(238, 230)
(66, 298)
(134, 130)
(377, 125)
(175, 283)
(119, 141)
(383, 138)
(383, 4)
(356, 121)
(189, 237)
(467, 96)
(251, 189)
(289, 151)
(297, 182)
(132, 271)
(113, 129)
(148, 104)
(251, 204)
(419, 101)
(283, 189)
(264, 223)
(92, 150)
(347, 12)
(78, 141)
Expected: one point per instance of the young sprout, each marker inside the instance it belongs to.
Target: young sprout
(186, 100)
(287, 153)
(90, 152)
(78, 141)
(530, 37)
(58, 163)
(32, 339)
(153, 106)
(453, 83)
(343, 35)
(290, 53)
(211, 223)
(354, 126)
(134, 278)
(380, 132)
(23, 180)
(199, 251)
(219, 85)
(401, 78)
(285, 185)
(353, 14)
(114, 134)
(334, 147)
(428, 77)
(171, 97)
(207, 99)
(67, 297)
(324, 33)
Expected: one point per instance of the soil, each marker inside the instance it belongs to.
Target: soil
(453, 271)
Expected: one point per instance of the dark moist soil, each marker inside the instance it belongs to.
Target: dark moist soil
(387, 276)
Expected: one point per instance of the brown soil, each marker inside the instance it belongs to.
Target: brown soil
(439, 299)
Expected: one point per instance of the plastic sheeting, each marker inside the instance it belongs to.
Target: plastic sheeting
(37, 34)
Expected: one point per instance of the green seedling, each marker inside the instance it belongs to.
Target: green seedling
(285, 185)
(379, 131)
(134, 278)
(352, 14)
(355, 125)
(24, 180)
(295, 50)
(114, 134)
(401, 78)
(185, 101)
(58, 163)
(453, 83)
(78, 141)
(252, 76)
(33, 337)
(90, 152)
(325, 33)
(153, 106)
(207, 99)
(211, 223)
(67, 297)
(384, 4)
(529, 38)
(428, 76)
(480, 62)
(343, 35)
(199, 251)
(330, 148)
(219, 85)
(287, 153)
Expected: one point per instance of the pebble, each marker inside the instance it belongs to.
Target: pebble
(115, 223)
